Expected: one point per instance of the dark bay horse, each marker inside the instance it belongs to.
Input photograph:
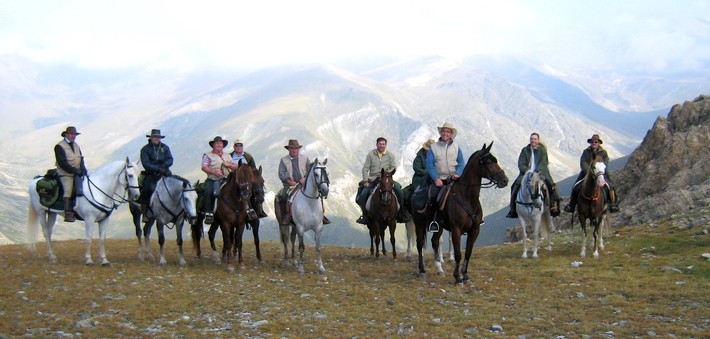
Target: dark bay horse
(382, 208)
(461, 212)
(591, 206)
(231, 213)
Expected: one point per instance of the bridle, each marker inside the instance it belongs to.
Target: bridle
(182, 202)
(115, 198)
(319, 178)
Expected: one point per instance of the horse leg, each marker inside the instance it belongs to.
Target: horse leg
(212, 233)
(146, 239)
(595, 234)
(470, 240)
(161, 240)
(536, 235)
(227, 236)
(372, 238)
(283, 231)
(409, 225)
(89, 228)
(550, 227)
(293, 245)
(393, 227)
(139, 232)
(238, 241)
(451, 250)
(456, 239)
(421, 237)
(301, 249)
(178, 229)
(437, 255)
(196, 235)
(255, 233)
(378, 237)
(319, 260)
(524, 226)
(583, 222)
(47, 228)
(103, 229)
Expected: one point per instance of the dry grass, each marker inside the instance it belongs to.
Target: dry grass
(650, 279)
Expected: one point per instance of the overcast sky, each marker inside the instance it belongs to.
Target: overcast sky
(647, 35)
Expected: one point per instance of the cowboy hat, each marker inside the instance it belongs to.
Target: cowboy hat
(293, 143)
(155, 132)
(218, 138)
(70, 130)
(427, 144)
(449, 126)
(595, 137)
(238, 141)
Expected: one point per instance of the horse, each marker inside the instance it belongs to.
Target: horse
(103, 191)
(532, 206)
(231, 214)
(591, 206)
(306, 206)
(461, 212)
(141, 232)
(173, 201)
(382, 208)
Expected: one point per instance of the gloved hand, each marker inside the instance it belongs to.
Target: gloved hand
(163, 171)
(78, 171)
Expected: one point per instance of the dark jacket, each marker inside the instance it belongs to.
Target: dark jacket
(588, 156)
(541, 162)
(248, 157)
(156, 159)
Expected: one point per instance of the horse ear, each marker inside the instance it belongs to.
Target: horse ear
(197, 183)
(128, 161)
(382, 172)
(325, 161)
(259, 170)
(315, 161)
(394, 170)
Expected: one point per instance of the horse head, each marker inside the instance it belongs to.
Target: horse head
(189, 201)
(386, 186)
(491, 169)
(320, 176)
(257, 186)
(535, 184)
(598, 169)
(244, 178)
(131, 180)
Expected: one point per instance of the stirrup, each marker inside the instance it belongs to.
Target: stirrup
(433, 227)
(209, 218)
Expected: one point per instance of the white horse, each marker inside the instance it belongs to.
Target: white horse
(307, 211)
(173, 201)
(103, 191)
(532, 207)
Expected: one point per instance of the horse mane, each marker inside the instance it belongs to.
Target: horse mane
(185, 182)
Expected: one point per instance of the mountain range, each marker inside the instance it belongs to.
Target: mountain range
(335, 111)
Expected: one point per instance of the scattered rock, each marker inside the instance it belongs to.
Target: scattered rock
(496, 329)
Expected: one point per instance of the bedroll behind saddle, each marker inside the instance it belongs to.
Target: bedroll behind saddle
(50, 189)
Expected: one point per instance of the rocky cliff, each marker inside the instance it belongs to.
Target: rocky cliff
(668, 173)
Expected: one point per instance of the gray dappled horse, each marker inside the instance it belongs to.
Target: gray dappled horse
(173, 201)
(533, 206)
(306, 206)
(103, 192)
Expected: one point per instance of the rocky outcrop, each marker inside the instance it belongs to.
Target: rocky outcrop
(668, 173)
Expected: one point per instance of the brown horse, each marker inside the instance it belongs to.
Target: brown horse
(382, 209)
(257, 201)
(231, 213)
(591, 205)
(461, 212)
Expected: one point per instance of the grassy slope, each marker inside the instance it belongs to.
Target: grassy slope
(649, 278)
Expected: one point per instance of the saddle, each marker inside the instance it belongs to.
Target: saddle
(424, 196)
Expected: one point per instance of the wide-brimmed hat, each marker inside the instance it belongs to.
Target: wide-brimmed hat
(70, 130)
(449, 126)
(155, 132)
(595, 137)
(293, 143)
(238, 141)
(427, 144)
(218, 138)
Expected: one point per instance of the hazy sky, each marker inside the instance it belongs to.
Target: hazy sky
(649, 35)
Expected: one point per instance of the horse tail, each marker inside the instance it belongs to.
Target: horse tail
(32, 225)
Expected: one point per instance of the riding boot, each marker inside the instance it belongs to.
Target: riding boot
(68, 211)
(326, 221)
(261, 212)
(569, 208)
(554, 199)
(144, 212)
(285, 219)
(614, 205)
(402, 216)
(209, 211)
(513, 214)
(364, 218)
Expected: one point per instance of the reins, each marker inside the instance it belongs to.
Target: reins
(180, 203)
(116, 202)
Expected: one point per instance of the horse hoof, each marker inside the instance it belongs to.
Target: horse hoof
(105, 263)
(162, 262)
(524, 256)
(230, 268)
(300, 270)
(52, 258)
(321, 270)
(89, 262)
(183, 263)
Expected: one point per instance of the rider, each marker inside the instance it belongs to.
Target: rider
(156, 159)
(217, 165)
(292, 171)
(70, 168)
(444, 161)
(588, 155)
(239, 154)
(419, 164)
(534, 157)
(378, 159)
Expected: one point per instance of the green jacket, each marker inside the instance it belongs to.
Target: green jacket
(374, 164)
(541, 162)
(419, 166)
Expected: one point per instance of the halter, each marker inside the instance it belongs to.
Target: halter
(116, 202)
(318, 180)
(533, 195)
(186, 187)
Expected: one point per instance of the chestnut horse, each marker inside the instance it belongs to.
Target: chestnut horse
(231, 213)
(461, 212)
(382, 207)
(591, 206)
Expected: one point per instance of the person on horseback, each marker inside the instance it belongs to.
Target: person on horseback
(419, 164)
(70, 168)
(156, 159)
(292, 171)
(239, 154)
(217, 164)
(534, 156)
(585, 160)
(376, 160)
(444, 161)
